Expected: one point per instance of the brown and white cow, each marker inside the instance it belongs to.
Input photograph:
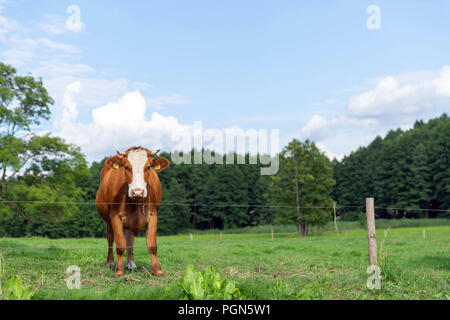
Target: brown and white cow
(128, 199)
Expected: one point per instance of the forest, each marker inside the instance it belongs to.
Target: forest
(48, 188)
(405, 169)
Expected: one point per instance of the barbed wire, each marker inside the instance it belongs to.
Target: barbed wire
(220, 205)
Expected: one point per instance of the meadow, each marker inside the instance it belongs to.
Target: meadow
(321, 266)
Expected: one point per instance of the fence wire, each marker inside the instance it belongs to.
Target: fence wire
(213, 205)
(193, 245)
(221, 205)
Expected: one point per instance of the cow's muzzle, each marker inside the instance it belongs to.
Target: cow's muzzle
(137, 193)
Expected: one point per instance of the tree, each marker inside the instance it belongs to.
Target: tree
(40, 169)
(24, 102)
(405, 169)
(419, 180)
(173, 213)
(227, 190)
(439, 148)
(304, 180)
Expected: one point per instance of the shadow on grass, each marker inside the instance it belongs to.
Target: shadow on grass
(8, 244)
(13, 249)
(441, 262)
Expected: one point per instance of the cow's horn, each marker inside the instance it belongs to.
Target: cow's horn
(155, 152)
(121, 153)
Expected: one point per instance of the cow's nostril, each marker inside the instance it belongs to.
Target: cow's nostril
(137, 193)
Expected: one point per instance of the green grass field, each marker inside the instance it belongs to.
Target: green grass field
(322, 266)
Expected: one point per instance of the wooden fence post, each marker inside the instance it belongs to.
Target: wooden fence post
(191, 236)
(272, 234)
(371, 233)
(221, 235)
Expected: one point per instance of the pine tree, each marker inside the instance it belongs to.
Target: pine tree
(173, 214)
(420, 188)
(227, 190)
(405, 169)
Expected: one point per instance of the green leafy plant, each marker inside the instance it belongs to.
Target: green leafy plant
(207, 285)
(13, 289)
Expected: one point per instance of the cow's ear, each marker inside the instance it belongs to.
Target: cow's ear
(114, 162)
(160, 163)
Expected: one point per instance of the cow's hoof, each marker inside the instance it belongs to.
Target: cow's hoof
(158, 273)
(131, 265)
(110, 264)
(119, 274)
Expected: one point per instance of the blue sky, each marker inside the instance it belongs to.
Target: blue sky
(311, 69)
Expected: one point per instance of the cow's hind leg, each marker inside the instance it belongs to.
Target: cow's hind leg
(110, 238)
(150, 236)
(129, 236)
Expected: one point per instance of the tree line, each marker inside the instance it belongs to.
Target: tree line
(47, 186)
(403, 171)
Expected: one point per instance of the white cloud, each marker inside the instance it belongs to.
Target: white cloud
(70, 111)
(319, 128)
(121, 124)
(117, 125)
(58, 63)
(127, 113)
(55, 68)
(53, 45)
(339, 135)
(31, 44)
(16, 57)
(343, 142)
(54, 24)
(442, 82)
(95, 91)
(57, 74)
(403, 95)
(7, 25)
(328, 153)
(21, 50)
(389, 102)
(58, 24)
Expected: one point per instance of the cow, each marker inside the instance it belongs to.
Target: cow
(128, 199)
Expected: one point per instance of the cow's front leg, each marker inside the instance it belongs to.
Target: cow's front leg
(129, 236)
(119, 238)
(150, 235)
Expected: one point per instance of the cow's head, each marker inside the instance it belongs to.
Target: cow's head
(137, 164)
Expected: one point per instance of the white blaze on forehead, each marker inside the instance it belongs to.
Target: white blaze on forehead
(137, 158)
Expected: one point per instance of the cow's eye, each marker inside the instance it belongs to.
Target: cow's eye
(126, 168)
(148, 168)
